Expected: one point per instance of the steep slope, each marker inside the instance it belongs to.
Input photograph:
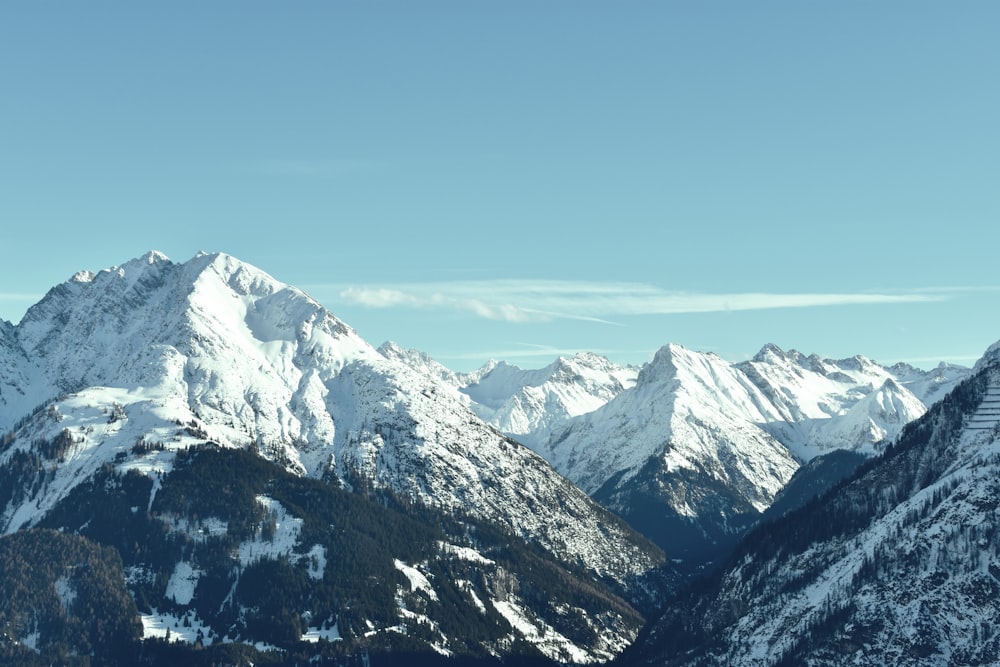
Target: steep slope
(929, 386)
(528, 404)
(900, 564)
(816, 398)
(229, 548)
(814, 478)
(153, 357)
(423, 363)
(874, 420)
(21, 388)
(681, 455)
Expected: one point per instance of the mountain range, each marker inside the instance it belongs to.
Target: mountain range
(898, 564)
(691, 449)
(273, 487)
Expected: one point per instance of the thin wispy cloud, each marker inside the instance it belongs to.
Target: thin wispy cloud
(541, 301)
(949, 290)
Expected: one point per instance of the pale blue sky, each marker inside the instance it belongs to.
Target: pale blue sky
(525, 179)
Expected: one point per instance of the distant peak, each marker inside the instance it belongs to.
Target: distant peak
(769, 350)
(489, 365)
(394, 350)
(391, 346)
(204, 260)
(154, 257)
(83, 277)
(674, 348)
(208, 258)
(662, 365)
(891, 385)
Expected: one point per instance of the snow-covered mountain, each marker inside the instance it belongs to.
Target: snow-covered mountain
(681, 455)
(850, 403)
(878, 417)
(528, 404)
(423, 363)
(899, 564)
(698, 447)
(135, 363)
(692, 448)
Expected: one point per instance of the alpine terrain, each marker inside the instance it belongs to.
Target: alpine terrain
(899, 564)
(250, 457)
(528, 404)
(201, 465)
(692, 449)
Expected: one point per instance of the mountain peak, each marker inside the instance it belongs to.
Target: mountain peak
(419, 361)
(154, 257)
(890, 385)
(237, 358)
(245, 279)
(769, 350)
(672, 358)
(83, 277)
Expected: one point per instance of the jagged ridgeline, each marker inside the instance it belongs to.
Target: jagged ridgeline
(230, 548)
(898, 564)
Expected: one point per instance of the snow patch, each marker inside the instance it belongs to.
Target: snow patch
(66, 592)
(465, 553)
(276, 539)
(316, 562)
(182, 583)
(314, 634)
(469, 589)
(187, 628)
(418, 581)
(199, 531)
(552, 644)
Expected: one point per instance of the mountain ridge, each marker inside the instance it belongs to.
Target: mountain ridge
(684, 411)
(128, 368)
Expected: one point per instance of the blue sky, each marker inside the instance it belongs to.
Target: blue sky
(525, 179)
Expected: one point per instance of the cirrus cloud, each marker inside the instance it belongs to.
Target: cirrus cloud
(541, 301)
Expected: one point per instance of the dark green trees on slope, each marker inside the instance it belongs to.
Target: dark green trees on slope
(62, 600)
(349, 565)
